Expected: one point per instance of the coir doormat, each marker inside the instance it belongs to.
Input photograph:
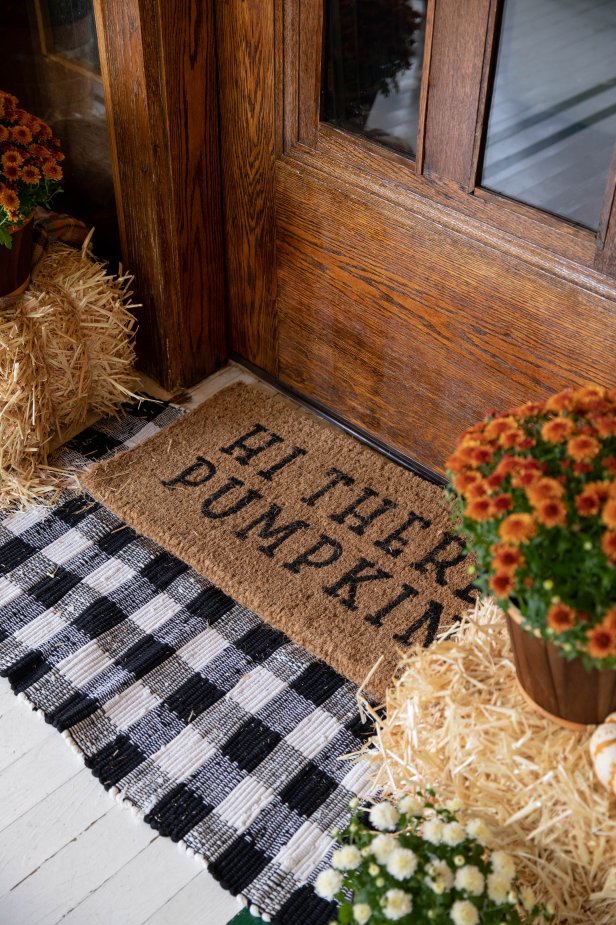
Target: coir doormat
(349, 554)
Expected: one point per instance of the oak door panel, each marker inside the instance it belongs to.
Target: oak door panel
(412, 331)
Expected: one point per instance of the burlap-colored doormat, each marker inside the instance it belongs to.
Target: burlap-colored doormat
(349, 554)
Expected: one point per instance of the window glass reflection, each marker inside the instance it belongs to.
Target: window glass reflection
(552, 121)
(372, 68)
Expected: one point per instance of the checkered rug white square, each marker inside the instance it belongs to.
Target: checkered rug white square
(223, 734)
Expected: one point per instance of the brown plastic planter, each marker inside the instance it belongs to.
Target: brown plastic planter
(562, 690)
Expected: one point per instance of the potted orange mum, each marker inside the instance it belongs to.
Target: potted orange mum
(30, 175)
(534, 494)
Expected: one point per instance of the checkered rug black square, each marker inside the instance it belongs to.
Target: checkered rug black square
(222, 733)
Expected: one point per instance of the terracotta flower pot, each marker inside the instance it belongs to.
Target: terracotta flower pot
(562, 690)
(15, 263)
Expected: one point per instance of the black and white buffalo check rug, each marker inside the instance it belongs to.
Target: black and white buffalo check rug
(223, 734)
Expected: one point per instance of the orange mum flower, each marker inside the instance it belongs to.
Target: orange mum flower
(12, 157)
(608, 545)
(542, 489)
(517, 528)
(609, 514)
(479, 455)
(24, 118)
(464, 480)
(529, 409)
(52, 171)
(477, 489)
(589, 396)
(525, 478)
(583, 448)
(502, 584)
(499, 426)
(601, 642)
(588, 501)
(551, 513)
(513, 438)
(603, 488)
(609, 620)
(479, 509)
(605, 425)
(4, 133)
(561, 402)
(21, 134)
(502, 503)
(11, 172)
(560, 617)
(508, 465)
(454, 463)
(9, 199)
(507, 559)
(30, 174)
(494, 481)
(557, 430)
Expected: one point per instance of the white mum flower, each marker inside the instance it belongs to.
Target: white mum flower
(454, 805)
(527, 898)
(374, 870)
(396, 904)
(471, 879)
(384, 817)
(464, 912)
(477, 829)
(498, 888)
(346, 858)
(382, 846)
(361, 913)
(453, 834)
(328, 883)
(433, 831)
(443, 873)
(502, 863)
(402, 863)
(410, 806)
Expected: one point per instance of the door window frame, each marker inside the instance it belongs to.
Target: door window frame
(443, 178)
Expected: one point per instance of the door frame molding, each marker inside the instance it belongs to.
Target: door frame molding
(158, 62)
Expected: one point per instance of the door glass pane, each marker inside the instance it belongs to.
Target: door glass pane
(49, 60)
(552, 122)
(372, 68)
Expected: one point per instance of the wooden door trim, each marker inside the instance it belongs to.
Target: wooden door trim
(605, 258)
(249, 72)
(455, 87)
(420, 148)
(158, 63)
(494, 12)
(356, 165)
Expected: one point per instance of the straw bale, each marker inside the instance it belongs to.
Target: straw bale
(456, 721)
(66, 351)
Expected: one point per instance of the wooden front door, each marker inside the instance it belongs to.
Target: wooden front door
(395, 290)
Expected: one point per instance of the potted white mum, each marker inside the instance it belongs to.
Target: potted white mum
(417, 862)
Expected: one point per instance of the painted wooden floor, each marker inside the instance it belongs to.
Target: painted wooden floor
(68, 852)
